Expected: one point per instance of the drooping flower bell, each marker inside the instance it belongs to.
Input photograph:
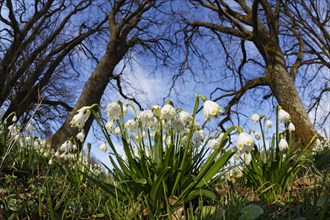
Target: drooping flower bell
(113, 111)
(178, 124)
(247, 158)
(80, 119)
(147, 116)
(268, 123)
(168, 112)
(283, 144)
(103, 147)
(211, 109)
(185, 117)
(131, 125)
(291, 127)
(81, 136)
(214, 144)
(255, 118)
(245, 142)
(283, 116)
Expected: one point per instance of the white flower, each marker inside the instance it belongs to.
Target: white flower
(81, 136)
(185, 117)
(255, 118)
(257, 135)
(131, 125)
(57, 154)
(198, 136)
(283, 144)
(79, 119)
(317, 143)
(113, 111)
(50, 162)
(110, 126)
(247, 157)
(214, 143)
(178, 124)
(63, 156)
(74, 147)
(12, 129)
(245, 142)
(117, 131)
(291, 127)
(168, 112)
(28, 140)
(103, 147)
(66, 146)
(184, 140)
(211, 109)
(196, 125)
(146, 117)
(14, 118)
(269, 123)
(168, 140)
(155, 108)
(283, 116)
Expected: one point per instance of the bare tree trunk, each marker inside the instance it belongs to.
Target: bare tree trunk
(284, 89)
(92, 93)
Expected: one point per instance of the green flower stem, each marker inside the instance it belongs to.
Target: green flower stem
(263, 136)
(188, 146)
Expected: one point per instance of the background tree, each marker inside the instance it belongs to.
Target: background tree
(135, 27)
(263, 48)
(40, 44)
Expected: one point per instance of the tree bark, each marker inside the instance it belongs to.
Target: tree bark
(92, 93)
(284, 89)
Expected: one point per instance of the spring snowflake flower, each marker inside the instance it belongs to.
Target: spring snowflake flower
(245, 142)
(184, 140)
(110, 126)
(255, 118)
(66, 146)
(57, 154)
(247, 158)
(178, 124)
(155, 108)
(291, 127)
(103, 147)
(283, 144)
(117, 131)
(198, 136)
(28, 140)
(79, 119)
(214, 143)
(113, 111)
(211, 109)
(168, 112)
(14, 118)
(257, 135)
(269, 123)
(283, 116)
(185, 117)
(131, 125)
(81, 136)
(146, 117)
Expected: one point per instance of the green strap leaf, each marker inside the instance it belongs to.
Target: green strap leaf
(155, 186)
